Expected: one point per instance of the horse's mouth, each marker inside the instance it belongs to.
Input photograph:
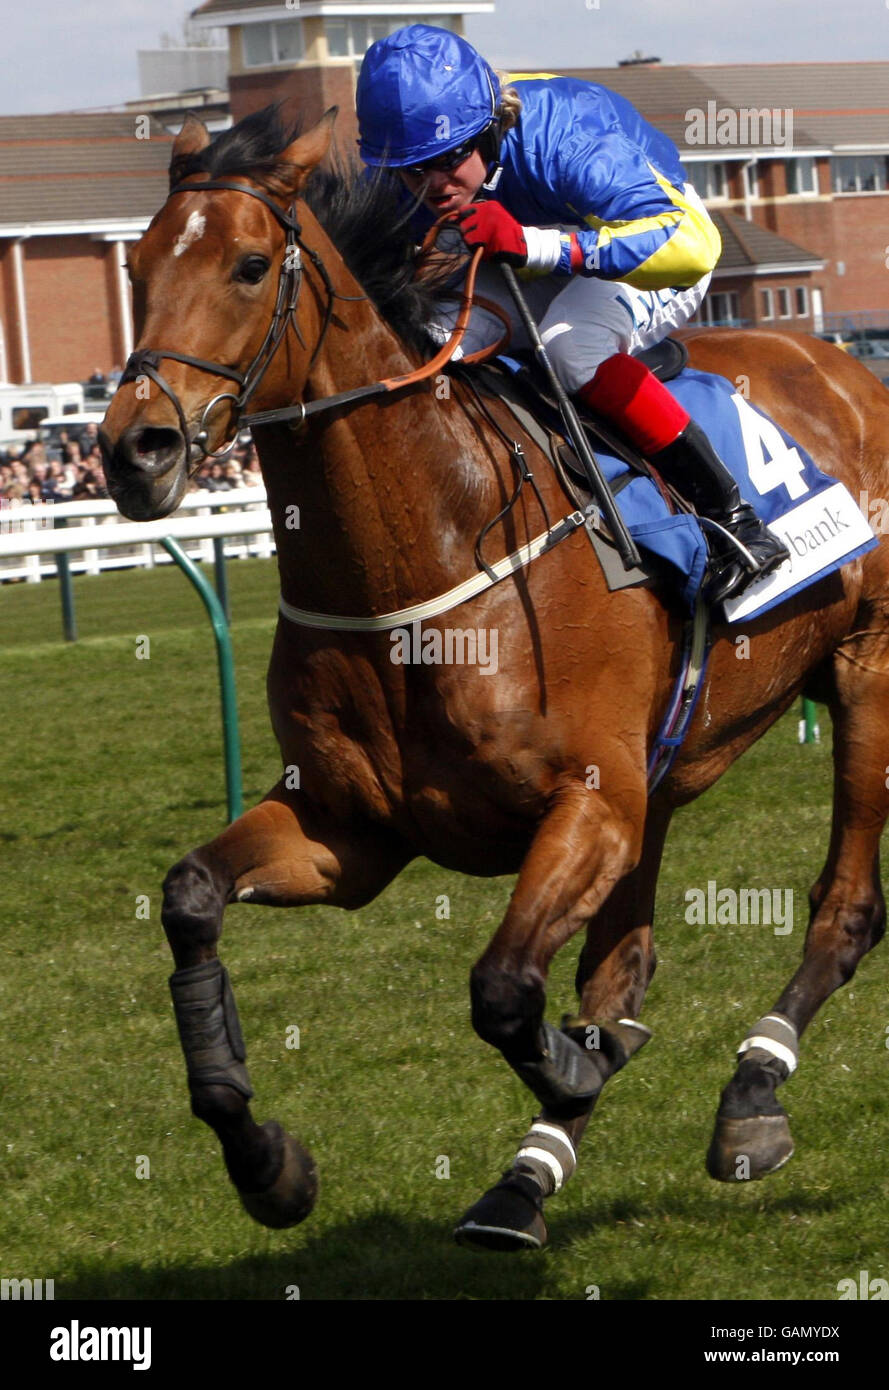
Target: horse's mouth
(140, 499)
(146, 484)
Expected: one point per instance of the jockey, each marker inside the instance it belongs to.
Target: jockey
(565, 180)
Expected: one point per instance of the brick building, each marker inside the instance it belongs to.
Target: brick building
(75, 190)
(308, 55)
(797, 150)
(792, 159)
(761, 278)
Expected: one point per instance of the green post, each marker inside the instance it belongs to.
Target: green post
(66, 589)
(221, 575)
(230, 735)
(809, 730)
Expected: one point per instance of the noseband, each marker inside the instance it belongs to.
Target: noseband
(145, 362)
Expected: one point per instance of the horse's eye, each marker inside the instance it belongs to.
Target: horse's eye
(252, 269)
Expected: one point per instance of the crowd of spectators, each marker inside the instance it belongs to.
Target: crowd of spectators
(71, 470)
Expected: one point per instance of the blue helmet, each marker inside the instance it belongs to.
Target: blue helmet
(422, 91)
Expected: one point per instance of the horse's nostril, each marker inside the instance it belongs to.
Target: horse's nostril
(147, 450)
(157, 442)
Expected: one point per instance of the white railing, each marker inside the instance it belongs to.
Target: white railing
(111, 542)
(133, 532)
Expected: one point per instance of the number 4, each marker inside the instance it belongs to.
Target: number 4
(770, 462)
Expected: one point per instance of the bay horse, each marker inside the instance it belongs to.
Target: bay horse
(241, 295)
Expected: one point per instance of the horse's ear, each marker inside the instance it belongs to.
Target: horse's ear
(299, 159)
(192, 138)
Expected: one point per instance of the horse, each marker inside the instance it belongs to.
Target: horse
(265, 272)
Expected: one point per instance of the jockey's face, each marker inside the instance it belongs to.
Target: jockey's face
(447, 190)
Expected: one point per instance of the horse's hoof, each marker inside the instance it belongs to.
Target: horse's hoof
(508, 1217)
(293, 1193)
(749, 1148)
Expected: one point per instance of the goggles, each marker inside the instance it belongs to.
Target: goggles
(444, 162)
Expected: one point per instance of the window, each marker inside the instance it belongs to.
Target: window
(351, 38)
(860, 173)
(257, 44)
(784, 304)
(721, 310)
(289, 41)
(28, 417)
(280, 42)
(801, 296)
(766, 304)
(707, 177)
(802, 177)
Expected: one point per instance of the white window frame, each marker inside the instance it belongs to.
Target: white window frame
(809, 190)
(275, 61)
(359, 40)
(854, 160)
(784, 299)
(768, 297)
(797, 291)
(710, 166)
(708, 313)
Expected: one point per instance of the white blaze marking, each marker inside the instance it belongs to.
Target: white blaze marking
(194, 229)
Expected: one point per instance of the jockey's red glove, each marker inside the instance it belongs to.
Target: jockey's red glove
(491, 226)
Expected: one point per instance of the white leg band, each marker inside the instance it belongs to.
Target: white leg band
(548, 1159)
(784, 1054)
(554, 1132)
(553, 1151)
(767, 1037)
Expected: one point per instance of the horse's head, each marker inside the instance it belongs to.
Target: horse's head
(215, 283)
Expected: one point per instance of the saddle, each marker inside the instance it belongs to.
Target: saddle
(523, 388)
(520, 384)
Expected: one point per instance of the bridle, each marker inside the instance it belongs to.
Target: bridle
(145, 362)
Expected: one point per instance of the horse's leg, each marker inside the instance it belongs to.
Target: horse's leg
(285, 853)
(848, 915)
(581, 870)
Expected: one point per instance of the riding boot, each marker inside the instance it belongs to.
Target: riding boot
(694, 468)
(628, 395)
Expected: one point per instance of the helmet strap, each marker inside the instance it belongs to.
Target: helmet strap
(490, 184)
(489, 148)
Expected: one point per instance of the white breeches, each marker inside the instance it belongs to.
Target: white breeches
(583, 320)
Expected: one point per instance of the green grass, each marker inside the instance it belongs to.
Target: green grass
(111, 770)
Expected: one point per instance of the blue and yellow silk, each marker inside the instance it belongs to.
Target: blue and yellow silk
(583, 156)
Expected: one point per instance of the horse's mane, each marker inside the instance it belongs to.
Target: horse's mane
(364, 213)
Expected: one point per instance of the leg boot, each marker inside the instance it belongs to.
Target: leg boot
(749, 551)
(742, 548)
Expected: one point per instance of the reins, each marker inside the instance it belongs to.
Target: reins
(145, 362)
(302, 411)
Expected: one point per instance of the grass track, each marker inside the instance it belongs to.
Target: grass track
(111, 769)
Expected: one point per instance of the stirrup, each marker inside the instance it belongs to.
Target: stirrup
(749, 560)
(730, 573)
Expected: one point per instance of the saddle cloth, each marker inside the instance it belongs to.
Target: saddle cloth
(813, 514)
